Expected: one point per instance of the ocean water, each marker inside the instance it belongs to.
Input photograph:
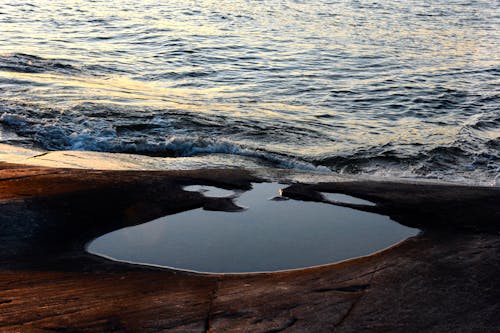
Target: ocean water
(384, 88)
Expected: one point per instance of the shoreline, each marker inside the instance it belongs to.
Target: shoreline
(92, 160)
(49, 282)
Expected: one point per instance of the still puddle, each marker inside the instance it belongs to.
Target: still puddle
(270, 235)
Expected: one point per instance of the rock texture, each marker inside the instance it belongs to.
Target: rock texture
(445, 280)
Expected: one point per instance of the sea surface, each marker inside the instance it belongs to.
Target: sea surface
(383, 88)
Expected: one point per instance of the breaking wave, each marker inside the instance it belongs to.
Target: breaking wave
(465, 162)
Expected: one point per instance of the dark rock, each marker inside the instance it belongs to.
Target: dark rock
(445, 280)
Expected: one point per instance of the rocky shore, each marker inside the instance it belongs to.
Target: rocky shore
(444, 280)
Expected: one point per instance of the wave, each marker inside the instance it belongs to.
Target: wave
(458, 162)
(188, 146)
(467, 160)
(27, 63)
(33, 64)
(106, 139)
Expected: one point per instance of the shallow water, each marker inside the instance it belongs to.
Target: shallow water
(270, 235)
(386, 88)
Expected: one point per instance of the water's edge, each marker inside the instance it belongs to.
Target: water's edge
(119, 161)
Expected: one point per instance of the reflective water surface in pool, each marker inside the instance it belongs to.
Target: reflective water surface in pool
(269, 235)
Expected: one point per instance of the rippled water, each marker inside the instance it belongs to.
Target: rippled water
(381, 87)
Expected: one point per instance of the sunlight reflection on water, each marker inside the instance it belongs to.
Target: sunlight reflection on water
(408, 88)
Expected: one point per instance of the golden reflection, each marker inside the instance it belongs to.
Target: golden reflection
(123, 90)
(119, 87)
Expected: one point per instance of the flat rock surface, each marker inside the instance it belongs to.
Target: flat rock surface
(445, 280)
